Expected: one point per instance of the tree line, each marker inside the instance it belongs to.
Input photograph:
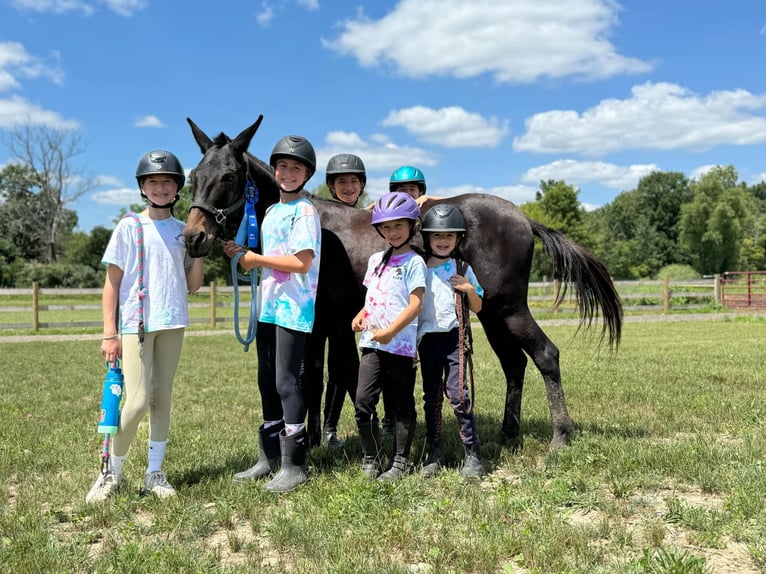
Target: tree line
(667, 224)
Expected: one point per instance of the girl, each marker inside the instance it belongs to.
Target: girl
(148, 276)
(440, 349)
(290, 239)
(395, 282)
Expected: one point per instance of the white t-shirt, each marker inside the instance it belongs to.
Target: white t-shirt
(439, 314)
(388, 295)
(165, 264)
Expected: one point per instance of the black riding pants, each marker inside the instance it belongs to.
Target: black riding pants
(439, 366)
(280, 353)
(379, 370)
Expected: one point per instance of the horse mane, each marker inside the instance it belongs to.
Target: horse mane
(221, 139)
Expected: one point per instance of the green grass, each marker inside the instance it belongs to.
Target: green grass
(666, 471)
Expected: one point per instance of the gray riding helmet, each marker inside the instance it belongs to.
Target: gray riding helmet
(443, 217)
(345, 163)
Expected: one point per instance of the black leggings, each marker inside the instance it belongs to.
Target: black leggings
(380, 370)
(280, 353)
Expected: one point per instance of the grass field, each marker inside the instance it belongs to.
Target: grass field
(666, 472)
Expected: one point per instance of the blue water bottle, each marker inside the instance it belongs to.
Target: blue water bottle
(109, 421)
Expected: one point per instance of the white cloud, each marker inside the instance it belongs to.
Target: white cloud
(519, 41)
(760, 177)
(123, 196)
(701, 170)
(449, 127)
(124, 7)
(16, 61)
(378, 154)
(121, 7)
(657, 116)
(53, 6)
(621, 178)
(265, 16)
(107, 181)
(16, 111)
(517, 194)
(149, 121)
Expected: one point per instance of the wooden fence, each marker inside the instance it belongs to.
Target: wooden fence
(214, 305)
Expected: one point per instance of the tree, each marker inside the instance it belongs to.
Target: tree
(714, 224)
(19, 209)
(48, 152)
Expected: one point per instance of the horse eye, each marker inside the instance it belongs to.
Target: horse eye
(228, 178)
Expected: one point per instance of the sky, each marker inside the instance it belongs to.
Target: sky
(482, 96)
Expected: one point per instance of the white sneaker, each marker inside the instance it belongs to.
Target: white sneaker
(157, 483)
(104, 487)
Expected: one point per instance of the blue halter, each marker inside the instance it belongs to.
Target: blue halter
(247, 235)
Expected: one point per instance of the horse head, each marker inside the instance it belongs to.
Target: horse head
(218, 187)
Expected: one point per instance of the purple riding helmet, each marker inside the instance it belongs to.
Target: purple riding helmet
(395, 205)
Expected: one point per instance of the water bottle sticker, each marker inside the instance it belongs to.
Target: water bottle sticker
(116, 390)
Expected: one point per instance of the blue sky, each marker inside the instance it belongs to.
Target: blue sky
(489, 96)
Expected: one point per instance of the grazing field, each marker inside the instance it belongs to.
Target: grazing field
(666, 471)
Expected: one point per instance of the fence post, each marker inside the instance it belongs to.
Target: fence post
(35, 306)
(666, 294)
(212, 304)
(717, 288)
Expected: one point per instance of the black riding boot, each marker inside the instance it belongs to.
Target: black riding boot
(472, 465)
(314, 428)
(405, 432)
(330, 437)
(435, 460)
(268, 454)
(293, 471)
(369, 434)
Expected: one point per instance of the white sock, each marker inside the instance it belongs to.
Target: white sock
(290, 430)
(269, 424)
(156, 455)
(115, 463)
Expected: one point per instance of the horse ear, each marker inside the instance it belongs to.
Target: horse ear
(204, 142)
(242, 141)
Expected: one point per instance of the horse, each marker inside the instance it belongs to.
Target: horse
(498, 243)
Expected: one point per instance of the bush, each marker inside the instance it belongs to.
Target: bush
(678, 272)
(59, 275)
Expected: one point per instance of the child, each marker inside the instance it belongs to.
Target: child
(148, 277)
(290, 241)
(345, 177)
(395, 282)
(440, 350)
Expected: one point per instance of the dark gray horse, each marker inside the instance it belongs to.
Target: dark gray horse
(498, 244)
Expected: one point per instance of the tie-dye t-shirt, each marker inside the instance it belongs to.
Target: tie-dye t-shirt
(388, 295)
(439, 314)
(287, 299)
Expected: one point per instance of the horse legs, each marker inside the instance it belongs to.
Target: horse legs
(513, 361)
(545, 356)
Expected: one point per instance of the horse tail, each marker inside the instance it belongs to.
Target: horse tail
(594, 288)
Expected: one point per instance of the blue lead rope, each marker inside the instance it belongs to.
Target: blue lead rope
(247, 235)
(252, 324)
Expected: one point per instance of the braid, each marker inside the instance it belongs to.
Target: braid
(383, 262)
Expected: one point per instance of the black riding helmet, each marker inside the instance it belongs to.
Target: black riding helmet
(443, 218)
(297, 148)
(159, 162)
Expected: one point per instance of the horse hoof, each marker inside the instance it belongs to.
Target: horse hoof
(559, 441)
(515, 443)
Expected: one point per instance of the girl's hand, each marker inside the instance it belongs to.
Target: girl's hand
(231, 249)
(460, 283)
(111, 349)
(382, 336)
(358, 324)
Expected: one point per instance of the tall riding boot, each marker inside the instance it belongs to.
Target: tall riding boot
(405, 432)
(314, 428)
(293, 470)
(268, 454)
(369, 434)
(435, 460)
(472, 465)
